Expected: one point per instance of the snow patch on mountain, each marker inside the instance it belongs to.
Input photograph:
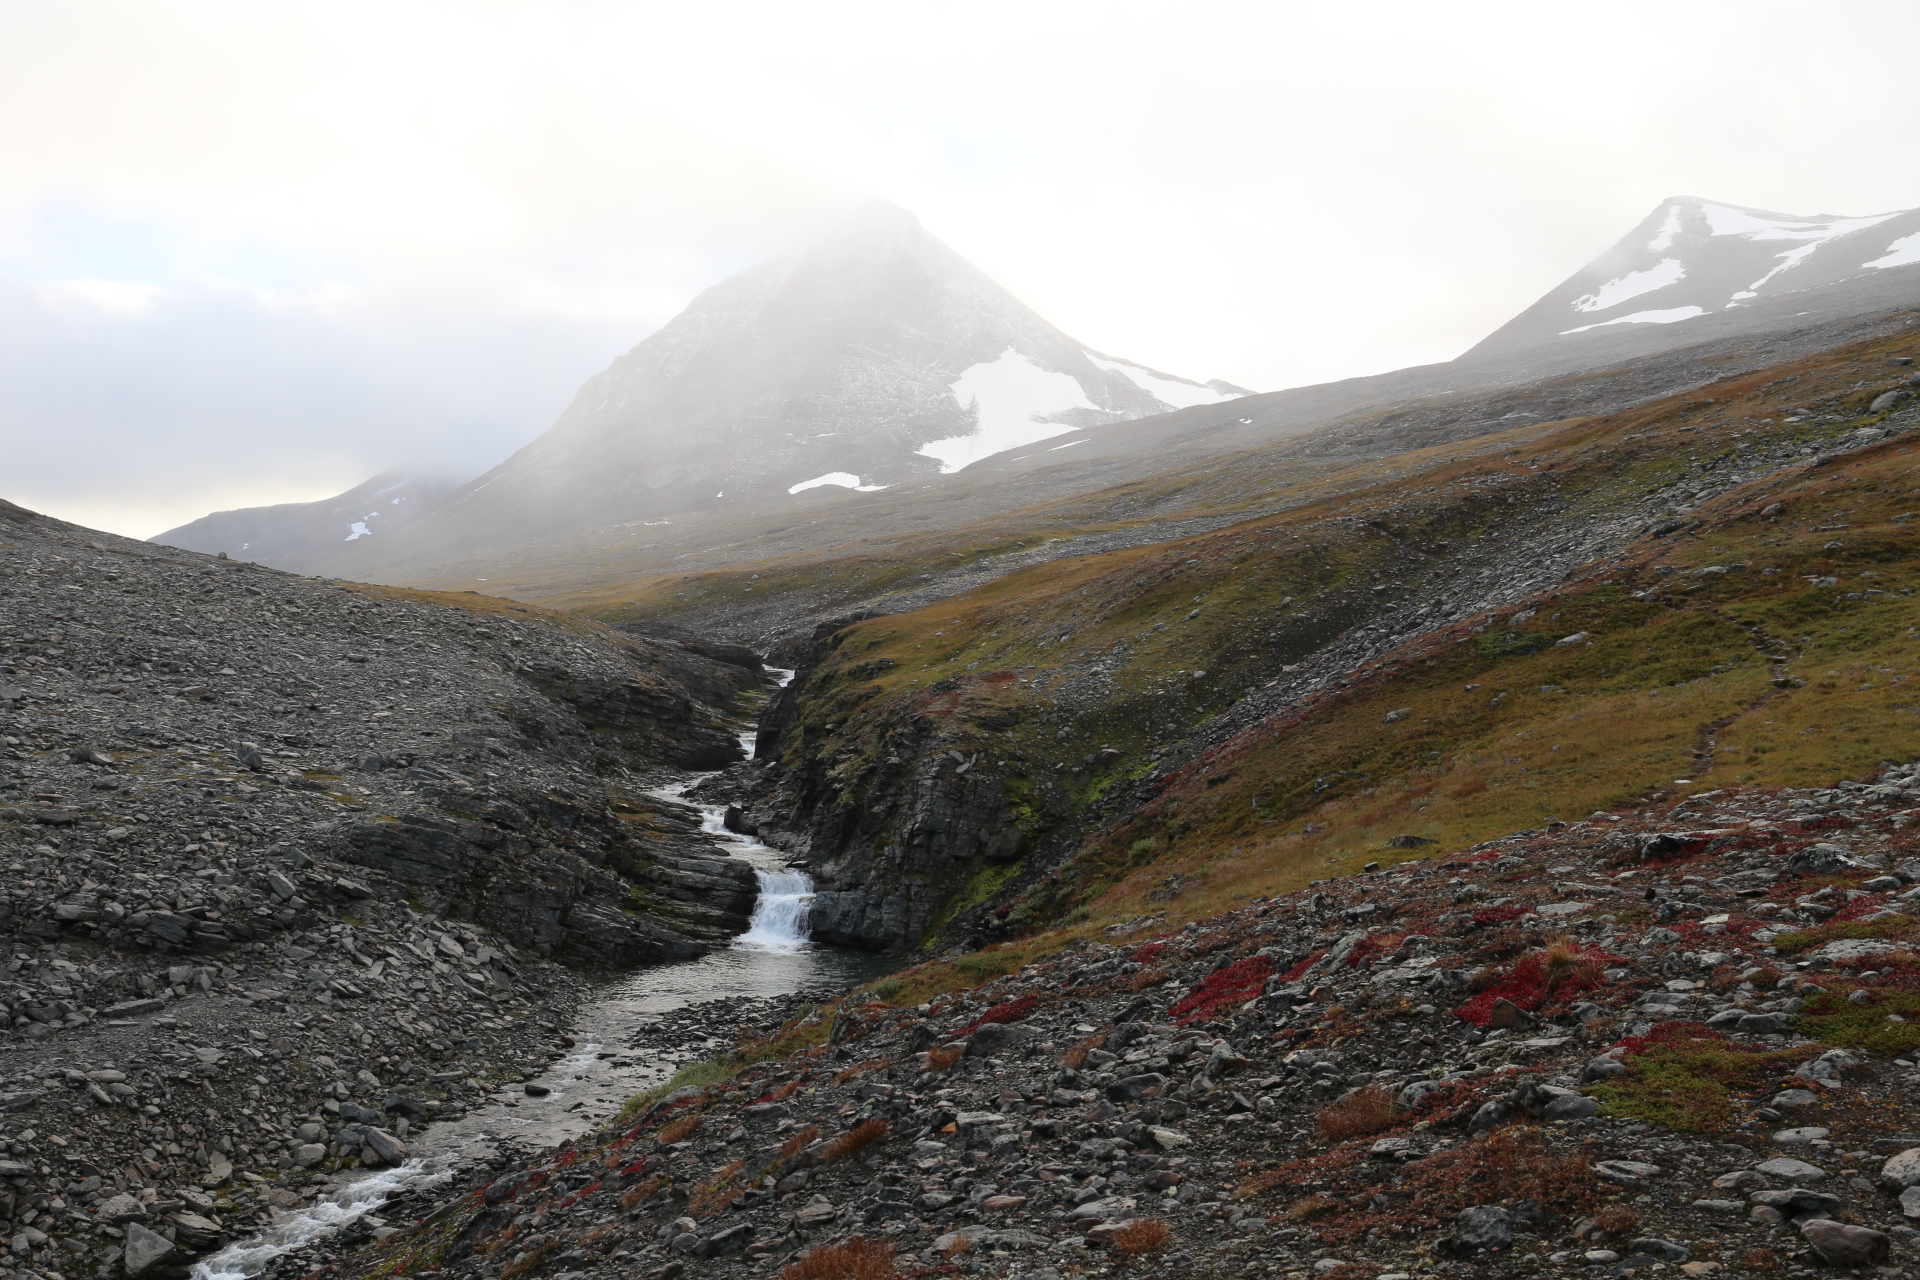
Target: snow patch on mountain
(1900, 253)
(1668, 316)
(1632, 285)
(1692, 258)
(844, 479)
(1172, 392)
(1009, 396)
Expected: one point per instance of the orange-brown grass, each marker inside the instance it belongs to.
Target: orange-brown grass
(508, 1234)
(1361, 1113)
(1076, 1057)
(532, 1262)
(1757, 1260)
(856, 1139)
(860, 1068)
(785, 1091)
(712, 1195)
(1515, 1163)
(942, 1058)
(1616, 1220)
(1563, 962)
(856, 1259)
(1148, 978)
(679, 1131)
(1142, 1235)
(955, 1247)
(640, 1191)
(799, 1141)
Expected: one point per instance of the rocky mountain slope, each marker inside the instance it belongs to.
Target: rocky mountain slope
(284, 852)
(1680, 1036)
(294, 535)
(1694, 258)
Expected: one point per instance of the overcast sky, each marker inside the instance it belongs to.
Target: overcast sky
(253, 253)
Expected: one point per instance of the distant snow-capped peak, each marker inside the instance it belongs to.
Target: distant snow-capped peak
(1694, 257)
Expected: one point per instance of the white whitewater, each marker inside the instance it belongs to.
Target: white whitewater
(752, 966)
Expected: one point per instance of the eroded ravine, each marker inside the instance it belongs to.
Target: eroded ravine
(578, 1092)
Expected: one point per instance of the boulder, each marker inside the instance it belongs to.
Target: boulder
(1841, 1245)
(144, 1250)
(1484, 1226)
(1798, 1171)
(1902, 1170)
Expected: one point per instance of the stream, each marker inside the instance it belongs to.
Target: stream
(588, 1086)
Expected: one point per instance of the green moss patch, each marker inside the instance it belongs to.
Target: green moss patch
(1685, 1077)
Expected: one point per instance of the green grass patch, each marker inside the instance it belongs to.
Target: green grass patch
(1833, 1019)
(1688, 1080)
(1802, 939)
(692, 1075)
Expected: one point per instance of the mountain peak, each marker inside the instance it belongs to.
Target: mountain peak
(872, 355)
(1692, 257)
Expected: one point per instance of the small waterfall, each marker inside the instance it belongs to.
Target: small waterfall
(779, 920)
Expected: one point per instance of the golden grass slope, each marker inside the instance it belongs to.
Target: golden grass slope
(1070, 679)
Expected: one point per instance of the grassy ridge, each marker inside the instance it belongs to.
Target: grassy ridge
(1064, 682)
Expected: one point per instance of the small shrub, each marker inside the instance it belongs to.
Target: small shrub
(1142, 1235)
(1616, 1220)
(1148, 978)
(1236, 984)
(1308, 1208)
(886, 989)
(1757, 1260)
(679, 1131)
(639, 1192)
(942, 1058)
(1798, 940)
(1076, 1057)
(859, 1069)
(711, 1196)
(1512, 644)
(1681, 1075)
(856, 1139)
(1007, 1011)
(1359, 1114)
(799, 1141)
(855, 1259)
(955, 1247)
(985, 966)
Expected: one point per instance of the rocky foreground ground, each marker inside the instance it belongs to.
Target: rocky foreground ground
(1679, 1038)
(295, 868)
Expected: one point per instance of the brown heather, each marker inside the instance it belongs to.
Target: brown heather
(855, 1259)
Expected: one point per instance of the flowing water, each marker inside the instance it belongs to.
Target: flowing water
(773, 957)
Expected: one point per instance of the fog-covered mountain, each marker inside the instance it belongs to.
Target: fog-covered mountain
(1693, 258)
(873, 356)
(297, 534)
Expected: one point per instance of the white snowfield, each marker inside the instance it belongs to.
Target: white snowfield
(1900, 253)
(1632, 285)
(1171, 392)
(1016, 401)
(1009, 394)
(845, 479)
(1667, 316)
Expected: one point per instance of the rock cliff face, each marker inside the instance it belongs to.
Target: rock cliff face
(480, 759)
